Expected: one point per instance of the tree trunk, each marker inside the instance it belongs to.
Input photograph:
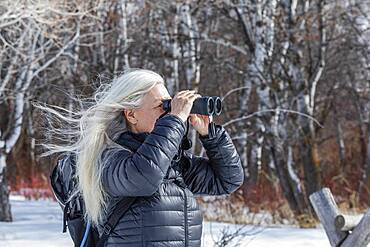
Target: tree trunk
(5, 210)
(283, 175)
(340, 141)
(311, 173)
(368, 156)
(252, 177)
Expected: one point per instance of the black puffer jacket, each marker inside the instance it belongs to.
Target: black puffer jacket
(166, 212)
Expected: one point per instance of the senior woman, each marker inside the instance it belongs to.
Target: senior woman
(128, 147)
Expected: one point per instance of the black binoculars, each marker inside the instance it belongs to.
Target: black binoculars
(204, 105)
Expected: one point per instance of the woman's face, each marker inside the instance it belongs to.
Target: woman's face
(143, 119)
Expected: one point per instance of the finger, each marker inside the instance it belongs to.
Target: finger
(190, 92)
(182, 92)
(195, 96)
(203, 117)
(193, 117)
(187, 97)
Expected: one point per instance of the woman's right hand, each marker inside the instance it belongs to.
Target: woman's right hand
(182, 103)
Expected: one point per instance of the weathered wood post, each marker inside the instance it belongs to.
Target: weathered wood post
(342, 230)
(326, 209)
(360, 236)
(344, 222)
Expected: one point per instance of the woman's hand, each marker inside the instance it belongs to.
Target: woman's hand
(182, 103)
(200, 123)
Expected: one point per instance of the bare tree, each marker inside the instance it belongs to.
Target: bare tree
(26, 46)
(284, 69)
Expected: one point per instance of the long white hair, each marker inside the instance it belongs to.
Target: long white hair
(94, 128)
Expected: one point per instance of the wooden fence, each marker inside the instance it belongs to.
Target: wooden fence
(342, 230)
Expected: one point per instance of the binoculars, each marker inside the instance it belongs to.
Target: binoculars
(207, 105)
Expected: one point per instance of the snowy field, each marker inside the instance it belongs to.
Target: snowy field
(39, 223)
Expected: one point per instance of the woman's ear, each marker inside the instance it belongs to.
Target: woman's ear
(130, 115)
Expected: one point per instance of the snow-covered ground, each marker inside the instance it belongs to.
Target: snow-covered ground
(39, 223)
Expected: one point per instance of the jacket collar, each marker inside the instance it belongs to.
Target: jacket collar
(132, 140)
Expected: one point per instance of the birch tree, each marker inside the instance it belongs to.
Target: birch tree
(25, 45)
(282, 68)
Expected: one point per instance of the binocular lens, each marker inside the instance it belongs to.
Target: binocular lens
(217, 105)
(211, 106)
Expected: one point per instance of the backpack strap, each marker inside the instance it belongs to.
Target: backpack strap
(65, 212)
(122, 207)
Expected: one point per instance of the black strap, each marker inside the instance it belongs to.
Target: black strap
(65, 212)
(122, 207)
(212, 130)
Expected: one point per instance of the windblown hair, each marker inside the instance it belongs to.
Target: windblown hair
(94, 128)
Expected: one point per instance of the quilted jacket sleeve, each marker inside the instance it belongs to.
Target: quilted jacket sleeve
(139, 173)
(221, 173)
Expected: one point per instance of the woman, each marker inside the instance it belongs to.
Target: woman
(128, 146)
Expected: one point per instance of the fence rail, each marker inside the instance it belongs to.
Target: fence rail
(342, 230)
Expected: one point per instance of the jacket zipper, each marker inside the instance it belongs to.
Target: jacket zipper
(180, 183)
(186, 218)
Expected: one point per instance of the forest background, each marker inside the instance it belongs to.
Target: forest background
(293, 75)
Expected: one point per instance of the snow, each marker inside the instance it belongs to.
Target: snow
(268, 236)
(39, 223)
(35, 223)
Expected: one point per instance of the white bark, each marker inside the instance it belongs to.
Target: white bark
(319, 68)
(252, 161)
(18, 115)
(270, 24)
(223, 43)
(192, 51)
(125, 37)
(340, 140)
(293, 9)
(102, 10)
(259, 149)
(33, 42)
(2, 166)
(260, 29)
(10, 73)
(76, 48)
(293, 175)
(2, 155)
(175, 52)
(122, 44)
(31, 134)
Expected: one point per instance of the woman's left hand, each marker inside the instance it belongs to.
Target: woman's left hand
(200, 123)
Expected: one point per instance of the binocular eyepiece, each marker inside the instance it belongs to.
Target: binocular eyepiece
(207, 105)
